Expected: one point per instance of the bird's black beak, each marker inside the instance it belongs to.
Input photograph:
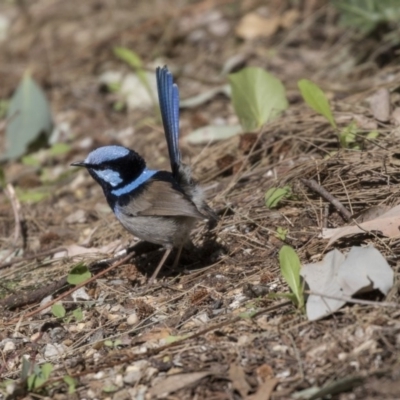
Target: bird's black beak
(78, 164)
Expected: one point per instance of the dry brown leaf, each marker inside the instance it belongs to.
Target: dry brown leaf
(380, 105)
(363, 270)
(238, 378)
(339, 277)
(264, 390)
(176, 382)
(322, 277)
(264, 372)
(372, 213)
(75, 250)
(387, 225)
(154, 335)
(253, 25)
(289, 17)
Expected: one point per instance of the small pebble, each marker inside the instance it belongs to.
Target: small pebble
(133, 319)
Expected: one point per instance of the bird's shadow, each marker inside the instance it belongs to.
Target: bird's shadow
(148, 255)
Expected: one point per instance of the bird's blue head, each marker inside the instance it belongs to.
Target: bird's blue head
(113, 167)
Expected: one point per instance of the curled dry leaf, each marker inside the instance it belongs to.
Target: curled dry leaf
(338, 277)
(387, 225)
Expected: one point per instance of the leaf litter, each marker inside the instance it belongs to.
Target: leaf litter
(338, 277)
(115, 351)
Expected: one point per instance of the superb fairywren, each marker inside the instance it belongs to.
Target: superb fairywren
(157, 206)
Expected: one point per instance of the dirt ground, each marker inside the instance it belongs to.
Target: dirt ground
(209, 329)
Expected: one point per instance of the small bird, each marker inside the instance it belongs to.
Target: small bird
(156, 206)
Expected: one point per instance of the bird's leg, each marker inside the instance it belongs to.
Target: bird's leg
(178, 256)
(160, 264)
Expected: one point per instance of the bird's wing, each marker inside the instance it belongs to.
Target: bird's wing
(162, 200)
(168, 96)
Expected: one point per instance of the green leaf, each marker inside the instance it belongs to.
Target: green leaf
(372, 135)
(59, 149)
(213, 133)
(31, 381)
(3, 108)
(108, 343)
(114, 87)
(32, 195)
(78, 314)
(273, 196)
(71, 384)
(289, 296)
(110, 389)
(257, 97)
(171, 339)
(30, 120)
(47, 369)
(3, 182)
(368, 15)
(316, 99)
(290, 269)
(30, 161)
(39, 381)
(58, 310)
(135, 62)
(80, 273)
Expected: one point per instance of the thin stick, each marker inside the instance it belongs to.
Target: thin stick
(65, 294)
(313, 185)
(16, 206)
(32, 256)
(125, 358)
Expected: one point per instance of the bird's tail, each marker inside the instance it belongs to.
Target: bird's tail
(168, 97)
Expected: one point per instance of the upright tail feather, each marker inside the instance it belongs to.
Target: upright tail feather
(168, 96)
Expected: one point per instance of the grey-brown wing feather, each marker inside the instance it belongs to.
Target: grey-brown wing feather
(162, 200)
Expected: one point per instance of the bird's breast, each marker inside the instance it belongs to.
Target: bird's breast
(166, 231)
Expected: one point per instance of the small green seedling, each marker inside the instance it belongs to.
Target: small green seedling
(40, 376)
(135, 62)
(366, 16)
(79, 274)
(290, 270)
(274, 196)
(113, 344)
(281, 233)
(316, 99)
(71, 384)
(78, 314)
(58, 310)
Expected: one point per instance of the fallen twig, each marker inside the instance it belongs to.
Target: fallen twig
(313, 185)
